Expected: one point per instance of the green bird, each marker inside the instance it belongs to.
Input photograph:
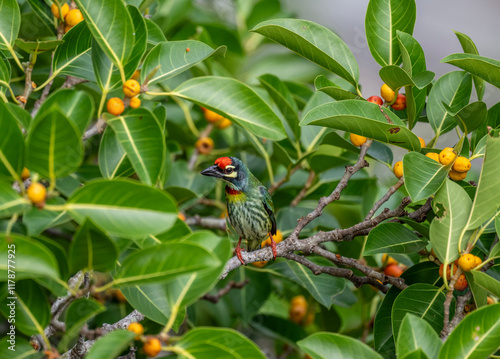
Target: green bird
(249, 205)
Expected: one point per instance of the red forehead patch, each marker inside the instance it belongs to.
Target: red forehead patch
(222, 162)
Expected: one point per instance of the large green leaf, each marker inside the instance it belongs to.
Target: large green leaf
(314, 42)
(24, 350)
(210, 342)
(396, 77)
(111, 345)
(487, 200)
(168, 59)
(415, 333)
(452, 206)
(11, 145)
(92, 249)
(11, 202)
(321, 83)
(423, 176)
(10, 21)
(54, 145)
(471, 116)
(123, 207)
(22, 116)
(363, 118)
(165, 263)
(42, 11)
(392, 238)
(486, 282)
(480, 66)
(470, 48)
(384, 18)
(424, 301)
(36, 47)
(113, 160)
(32, 311)
(477, 335)
(453, 89)
(330, 345)
(37, 220)
(32, 259)
(111, 26)
(236, 101)
(141, 137)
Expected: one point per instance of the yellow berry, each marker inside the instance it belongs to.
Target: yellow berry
(181, 216)
(135, 102)
(357, 140)
(422, 142)
(461, 164)
(447, 156)
(136, 74)
(25, 174)
(55, 10)
(136, 328)
(119, 296)
(299, 299)
(131, 88)
(467, 262)
(67, 28)
(211, 116)
(222, 124)
(477, 261)
(387, 93)
(115, 106)
(259, 264)
(73, 17)
(433, 155)
(278, 237)
(490, 300)
(152, 347)
(457, 176)
(398, 169)
(388, 260)
(37, 193)
(298, 309)
(204, 145)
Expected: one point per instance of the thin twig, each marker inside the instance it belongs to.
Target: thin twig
(385, 198)
(222, 292)
(207, 222)
(285, 178)
(96, 129)
(449, 296)
(304, 189)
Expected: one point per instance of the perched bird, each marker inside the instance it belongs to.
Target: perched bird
(249, 205)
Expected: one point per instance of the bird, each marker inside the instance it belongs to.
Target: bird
(249, 205)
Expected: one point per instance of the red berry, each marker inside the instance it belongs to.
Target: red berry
(375, 99)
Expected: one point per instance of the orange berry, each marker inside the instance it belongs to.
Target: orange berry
(131, 88)
(211, 116)
(136, 328)
(278, 237)
(447, 156)
(387, 93)
(55, 10)
(357, 140)
(119, 296)
(400, 103)
(222, 124)
(299, 299)
(393, 270)
(181, 216)
(298, 309)
(37, 193)
(25, 174)
(115, 106)
(490, 300)
(433, 155)
(477, 261)
(448, 271)
(67, 28)
(398, 169)
(457, 176)
(467, 262)
(461, 164)
(135, 102)
(310, 318)
(375, 99)
(204, 145)
(152, 347)
(388, 260)
(461, 283)
(73, 17)
(136, 74)
(259, 264)
(422, 142)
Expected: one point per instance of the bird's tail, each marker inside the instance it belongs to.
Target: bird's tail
(253, 245)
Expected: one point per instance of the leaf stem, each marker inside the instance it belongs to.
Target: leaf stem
(104, 287)
(10, 224)
(178, 350)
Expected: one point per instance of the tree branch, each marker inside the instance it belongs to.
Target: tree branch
(96, 129)
(304, 189)
(385, 198)
(207, 222)
(215, 298)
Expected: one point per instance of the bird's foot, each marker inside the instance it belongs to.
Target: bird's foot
(238, 253)
(273, 247)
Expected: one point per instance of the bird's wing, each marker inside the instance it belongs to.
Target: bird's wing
(267, 202)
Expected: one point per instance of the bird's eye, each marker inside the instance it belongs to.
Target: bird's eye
(228, 171)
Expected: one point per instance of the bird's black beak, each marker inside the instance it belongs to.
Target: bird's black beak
(212, 171)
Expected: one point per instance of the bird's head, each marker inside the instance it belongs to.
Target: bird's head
(231, 170)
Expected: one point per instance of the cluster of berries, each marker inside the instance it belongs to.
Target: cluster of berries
(131, 89)
(152, 345)
(391, 266)
(300, 312)
(205, 145)
(461, 165)
(70, 17)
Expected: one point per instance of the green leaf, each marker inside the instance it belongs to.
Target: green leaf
(111, 344)
(22, 116)
(470, 48)
(113, 160)
(42, 11)
(54, 145)
(453, 89)
(365, 119)
(384, 18)
(479, 294)
(78, 313)
(32, 311)
(246, 108)
(92, 249)
(4, 71)
(395, 77)
(322, 287)
(452, 206)
(155, 35)
(486, 282)
(37, 220)
(38, 46)
(11, 145)
(329, 345)
(141, 137)
(476, 336)
(321, 83)
(171, 58)
(59, 253)
(77, 106)
(423, 300)
(423, 176)
(487, 201)
(314, 42)
(283, 99)
(23, 349)
(10, 21)
(32, 260)
(392, 238)
(480, 66)
(210, 342)
(165, 263)
(416, 354)
(469, 117)
(123, 207)
(415, 333)
(111, 26)
(11, 202)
